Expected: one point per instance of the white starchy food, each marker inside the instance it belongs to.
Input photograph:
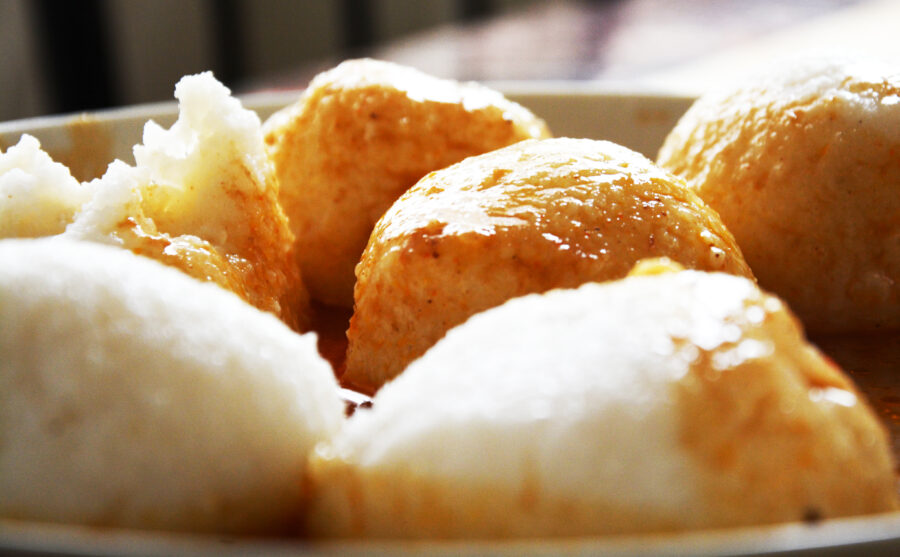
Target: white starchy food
(803, 166)
(132, 395)
(38, 196)
(185, 169)
(203, 197)
(667, 402)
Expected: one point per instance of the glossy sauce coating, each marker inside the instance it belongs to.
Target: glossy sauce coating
(538, 215)
(252, 261)
(784, 414)
(612, 408)
(361, 135)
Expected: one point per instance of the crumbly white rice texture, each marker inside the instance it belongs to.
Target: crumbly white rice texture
(134, 396)
(38, 196)
(187, 179)
(177, 179)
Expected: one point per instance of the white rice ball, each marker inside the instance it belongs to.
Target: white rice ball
(132, 395)
(655, 403)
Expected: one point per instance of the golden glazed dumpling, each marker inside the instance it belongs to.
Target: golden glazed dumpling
(361, 135)
(203, 197)
(655, 403)
(533, 216)
(132, 395)
(803, 165)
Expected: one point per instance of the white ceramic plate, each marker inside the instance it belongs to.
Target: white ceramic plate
(88, 143)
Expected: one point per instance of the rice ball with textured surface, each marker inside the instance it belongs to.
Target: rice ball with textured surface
(533, 216)
(361, 135)
(203, 197)
(803, 166)
(134, 396)
(676, 401)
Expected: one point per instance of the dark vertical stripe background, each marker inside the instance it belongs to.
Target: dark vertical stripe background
(75, 52)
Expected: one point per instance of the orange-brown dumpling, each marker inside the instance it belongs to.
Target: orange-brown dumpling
(533, 216)
(361, 135)
(803, 165)
(671, 402)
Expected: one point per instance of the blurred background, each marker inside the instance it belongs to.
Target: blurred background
(69, 56)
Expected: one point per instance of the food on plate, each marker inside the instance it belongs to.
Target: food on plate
(361, 135)
(202, 197)
(661, 402)
(38, 196)
(533, 216)
(134, 396)
(803, 167)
